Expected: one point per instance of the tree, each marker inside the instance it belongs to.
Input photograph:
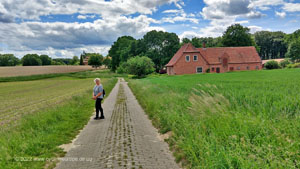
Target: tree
(75, 60)
(8, 60)
(95, 60)
(81, 60)
(272, 44)
(272, 64)
(46, 60)
(294, 50)
(140, 66)
(237, 35)
(160, 47)
(120, 51)
(107, 62)
(31, 60)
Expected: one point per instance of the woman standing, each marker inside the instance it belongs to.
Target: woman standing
(98, 96)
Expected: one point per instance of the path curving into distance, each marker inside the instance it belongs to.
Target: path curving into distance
(125, 139)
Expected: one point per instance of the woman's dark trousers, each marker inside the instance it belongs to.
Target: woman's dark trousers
(99, 108)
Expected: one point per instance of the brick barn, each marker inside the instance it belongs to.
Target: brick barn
(190, 60)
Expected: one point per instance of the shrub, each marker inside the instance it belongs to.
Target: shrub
(95, 60)
(296, 65)
(284, 63)
(272, 65)
(8, 60)
(31, 60)
(138, 66)
(122, 68)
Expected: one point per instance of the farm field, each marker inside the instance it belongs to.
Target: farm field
(39, 115)
(231, 120)
(37, 70)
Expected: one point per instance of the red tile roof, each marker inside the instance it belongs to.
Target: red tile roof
(213, 55)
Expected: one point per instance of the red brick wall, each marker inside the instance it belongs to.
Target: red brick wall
(184, 67)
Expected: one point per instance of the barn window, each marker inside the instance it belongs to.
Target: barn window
(199, 70)
(257, 67)
(187, 58)
(212, 69)
(195, 58)
(247, 67)
(238, 68)
(231, 68)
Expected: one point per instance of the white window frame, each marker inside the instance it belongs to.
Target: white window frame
(256, 67)
(197, 69)
(194, 58)
(238, 68)
(189, 58)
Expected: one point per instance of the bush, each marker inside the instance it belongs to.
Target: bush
(140, 66)
(296, 65)
(122, 68)
(31, 60)
(272, 65)
(8, 60)
(95, 60)
(284, 63)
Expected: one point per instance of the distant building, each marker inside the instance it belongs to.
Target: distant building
(190, 60)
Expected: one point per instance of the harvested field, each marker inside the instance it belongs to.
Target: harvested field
(37, 70)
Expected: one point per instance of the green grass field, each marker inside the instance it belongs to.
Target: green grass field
(231, 120)
(39, 114)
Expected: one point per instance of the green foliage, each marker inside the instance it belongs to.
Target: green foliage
(122, 68)
(295, 65)
(209, 42)
(81, 60)
(284, 63)
(8, 60)
(294, 50)
(237, 35)
(95, 60)
(107, 62)
(272, 64)
(75, 60)
(272, 44)
(46, 60)
(230, 120)
(120, 51)
(138, 66)
(160, 47)
(31, 60)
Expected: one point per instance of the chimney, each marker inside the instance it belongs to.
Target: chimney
(204, 45)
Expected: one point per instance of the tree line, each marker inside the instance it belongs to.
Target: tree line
(161, 46)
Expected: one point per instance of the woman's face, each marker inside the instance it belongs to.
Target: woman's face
(97, 82)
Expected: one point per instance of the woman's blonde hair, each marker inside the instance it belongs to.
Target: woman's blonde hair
(97, 79)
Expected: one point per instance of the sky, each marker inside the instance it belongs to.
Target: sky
(64, 28)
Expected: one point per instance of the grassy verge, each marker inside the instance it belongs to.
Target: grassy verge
(37, 136)
(232, 120)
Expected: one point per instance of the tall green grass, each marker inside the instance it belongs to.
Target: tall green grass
(38, 135)
(232, 120)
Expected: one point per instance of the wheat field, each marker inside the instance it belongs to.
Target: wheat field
(37, 70)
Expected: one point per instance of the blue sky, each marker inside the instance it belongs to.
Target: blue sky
(64, 28)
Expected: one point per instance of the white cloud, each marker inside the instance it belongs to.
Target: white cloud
(280, 14)
(291, 7)
(172, 11)
(81, 17)
(28, 36)
(179, 16)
